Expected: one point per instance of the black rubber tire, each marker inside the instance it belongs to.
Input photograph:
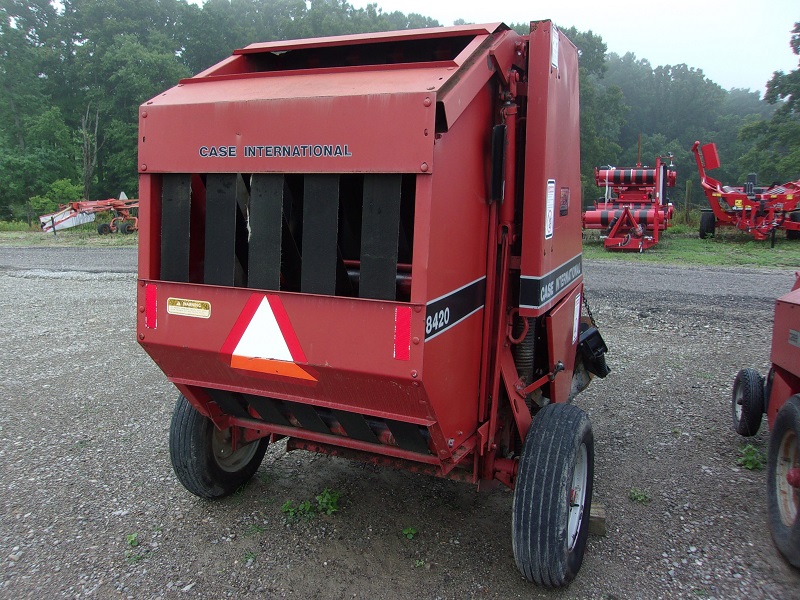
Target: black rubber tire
(791, 234)
(126, 228)
(783, 501)
(191, 449)
(747, 402)
(708, 224)
(104, 229)
(543, 549)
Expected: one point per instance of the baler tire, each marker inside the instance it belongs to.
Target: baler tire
(783, 500)
(792, 234)
(104, 229)
(127, 228)
(747, 402)
(708, 223)
(553, 496)
(196, 450)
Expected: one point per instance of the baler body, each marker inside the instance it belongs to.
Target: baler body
(322, 256)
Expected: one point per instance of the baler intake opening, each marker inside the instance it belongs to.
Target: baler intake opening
(347, 235)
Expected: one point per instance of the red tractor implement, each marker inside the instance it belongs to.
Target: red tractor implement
(370, 246)
(759, 211)
(635, 208)
(84, 211)
(779, 397)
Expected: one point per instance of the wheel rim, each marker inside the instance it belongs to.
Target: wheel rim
(227, 459)
(737, 405)
(577, 495)
(788, 496)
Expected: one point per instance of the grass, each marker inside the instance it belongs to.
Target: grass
(85, 235)
(681, 245)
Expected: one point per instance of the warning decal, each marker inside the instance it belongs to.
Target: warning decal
(263, 340)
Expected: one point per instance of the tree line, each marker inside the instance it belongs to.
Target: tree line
(72, 75)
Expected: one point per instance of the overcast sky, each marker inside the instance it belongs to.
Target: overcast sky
(737, 43)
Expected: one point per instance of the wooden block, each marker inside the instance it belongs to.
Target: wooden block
(597, 520)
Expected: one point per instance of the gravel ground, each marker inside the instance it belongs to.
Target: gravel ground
(89, 505)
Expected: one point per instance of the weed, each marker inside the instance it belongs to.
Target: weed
(328, 501)
(639, 495)
(409, 532)
(676, 432)
(249, 556)
(132, 539)
(750, 458)
(419, 563)
(303, 510)
(133, 557)
(255, 529)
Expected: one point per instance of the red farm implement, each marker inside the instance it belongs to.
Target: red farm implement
(84, 211)
(370, 246)
(779, 397)
(757, 210)
(635, 208)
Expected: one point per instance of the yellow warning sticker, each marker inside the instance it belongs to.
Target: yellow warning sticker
(189, 308)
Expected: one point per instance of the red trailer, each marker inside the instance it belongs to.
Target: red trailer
(759, 211)
(370, 245)
(635, 208)
(779, 397)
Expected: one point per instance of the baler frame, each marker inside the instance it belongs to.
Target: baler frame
(635, 208)
(757, 211)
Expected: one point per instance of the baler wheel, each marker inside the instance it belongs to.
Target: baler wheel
(553, 496)
(792, 234)
(104, 229)
(708, 223)
(202, 455)
(747, 402)
(783, 498)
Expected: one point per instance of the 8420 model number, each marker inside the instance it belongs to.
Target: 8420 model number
(437, 321)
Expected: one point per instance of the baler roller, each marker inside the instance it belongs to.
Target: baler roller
(625, 177)
(598, 219)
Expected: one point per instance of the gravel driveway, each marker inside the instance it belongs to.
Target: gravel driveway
(89, 505)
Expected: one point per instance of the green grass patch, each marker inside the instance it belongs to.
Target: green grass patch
(682, 245)
(17, 226)
(83, 235)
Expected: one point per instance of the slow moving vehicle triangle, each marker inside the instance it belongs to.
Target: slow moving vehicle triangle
(263, 340)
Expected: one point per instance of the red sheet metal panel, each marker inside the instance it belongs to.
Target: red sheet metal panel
(220, 127)
(348, 346)
(551, 243)
(454, 230)
(786, 334)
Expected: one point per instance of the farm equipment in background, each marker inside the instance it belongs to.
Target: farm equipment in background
(84, 211)
(635, 207)
(757, 210)
(779, 397)
(401, 284)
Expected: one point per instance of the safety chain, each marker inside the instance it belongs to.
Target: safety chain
(588, 310)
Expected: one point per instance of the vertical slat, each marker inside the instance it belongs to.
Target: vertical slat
(320, 233)
(266, 226)
(176, 200)
(225, 195)
(379, 233)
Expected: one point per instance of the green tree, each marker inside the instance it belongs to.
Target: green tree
(775, 151)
